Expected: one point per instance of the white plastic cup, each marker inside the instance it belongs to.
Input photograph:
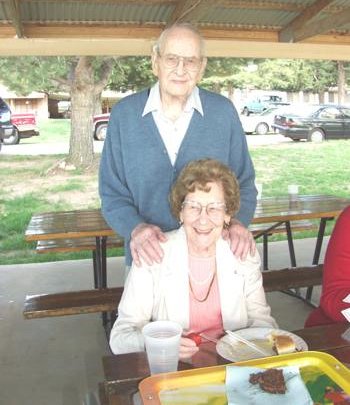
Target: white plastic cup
(293, 191)
(162, 341)
(259, 188)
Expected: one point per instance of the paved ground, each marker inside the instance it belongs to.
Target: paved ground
(53, 148)
(30, 148)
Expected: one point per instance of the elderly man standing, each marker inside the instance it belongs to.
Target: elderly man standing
(153, 134)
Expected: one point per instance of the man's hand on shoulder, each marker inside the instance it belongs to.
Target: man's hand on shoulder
(240, 238)
(145, 244)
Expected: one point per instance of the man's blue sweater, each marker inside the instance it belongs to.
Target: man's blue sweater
(136, 173)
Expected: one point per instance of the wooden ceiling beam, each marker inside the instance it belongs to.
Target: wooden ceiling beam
(91, 31)
(127, 47)
(290, 32)
(132, 31)
(117, 2)
(323, 26)
(150, 33)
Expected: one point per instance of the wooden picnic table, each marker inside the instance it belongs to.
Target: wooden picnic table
(273, 212)
(284, 210)
(124, 372)
(75, 224)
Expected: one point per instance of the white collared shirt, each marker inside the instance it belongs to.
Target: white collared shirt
(172, 132)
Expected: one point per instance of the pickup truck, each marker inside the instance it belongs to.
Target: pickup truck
(261, 104)
(23, 126)
(100, 123)
(6, 127)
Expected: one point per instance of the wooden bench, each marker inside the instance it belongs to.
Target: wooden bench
(107, 300)
(266, 230)
(77, 245)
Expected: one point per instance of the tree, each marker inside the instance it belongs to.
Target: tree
(341, 82)
(131, 73)
(225, 74)
(32, 73)
(83, 77)
(89, 77)
(323, 76)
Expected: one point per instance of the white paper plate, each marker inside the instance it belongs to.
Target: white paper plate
(239, 351)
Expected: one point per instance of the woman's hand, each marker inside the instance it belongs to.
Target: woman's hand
(188, 348)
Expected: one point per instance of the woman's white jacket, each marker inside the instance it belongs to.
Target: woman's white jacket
(161, 292)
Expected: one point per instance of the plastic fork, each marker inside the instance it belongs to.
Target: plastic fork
(252, 345)
(209, 338)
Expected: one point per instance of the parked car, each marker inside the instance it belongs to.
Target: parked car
(100, 123)
(315, 123)
(64, 108)
(261, 104)
(6, 127)
(23, 126)
(261, 123)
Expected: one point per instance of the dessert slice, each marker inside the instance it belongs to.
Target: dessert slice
(282, 344)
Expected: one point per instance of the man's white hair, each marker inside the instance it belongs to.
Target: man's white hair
(162, 38)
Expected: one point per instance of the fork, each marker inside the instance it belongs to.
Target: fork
(209, 338)
(252, 345)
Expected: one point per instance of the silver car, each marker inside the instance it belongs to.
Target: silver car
(261, 124)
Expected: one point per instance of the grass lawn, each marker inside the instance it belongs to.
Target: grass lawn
(52, 130)
(27, 188)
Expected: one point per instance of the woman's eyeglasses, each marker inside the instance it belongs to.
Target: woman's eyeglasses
(214, 210)
(190, 63)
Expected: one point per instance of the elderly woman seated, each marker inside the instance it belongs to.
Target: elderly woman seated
(200, 283)
(335, 297)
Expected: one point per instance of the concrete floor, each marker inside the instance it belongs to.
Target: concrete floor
(57, 361)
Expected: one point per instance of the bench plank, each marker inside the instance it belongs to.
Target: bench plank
(298, 277)
(302, 225)
(107, 299)
(72, 303)
(75, 244)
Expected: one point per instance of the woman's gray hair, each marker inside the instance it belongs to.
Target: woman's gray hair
(162, 38)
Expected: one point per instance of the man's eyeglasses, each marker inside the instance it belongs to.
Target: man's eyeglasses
(190, 63)
(214, 210)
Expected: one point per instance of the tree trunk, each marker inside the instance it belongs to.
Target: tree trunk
(230, 90)
(87, 85)
(98, 104)
(341, 82)
(81, 153)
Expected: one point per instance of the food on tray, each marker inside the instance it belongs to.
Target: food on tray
(282, 344)
(270, 380)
